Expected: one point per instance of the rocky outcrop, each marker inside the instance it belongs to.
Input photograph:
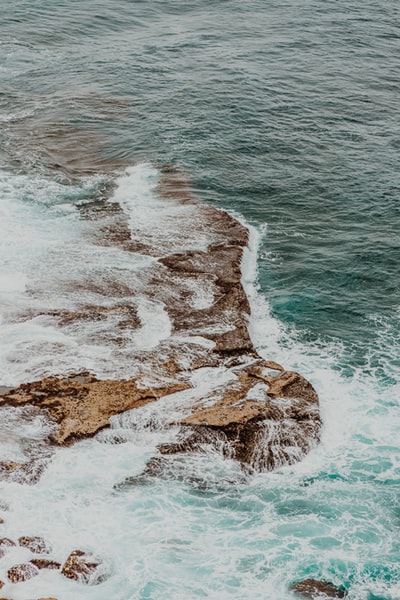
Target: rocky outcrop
(79, 566)
(82, 405)
(35, 544)
(22, 572)
(314, 589)
(83, 567)
(262, 415)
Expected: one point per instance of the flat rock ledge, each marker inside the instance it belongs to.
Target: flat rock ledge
(265, 416)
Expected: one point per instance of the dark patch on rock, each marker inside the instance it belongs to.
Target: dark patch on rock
(44, 563)
(314, 589)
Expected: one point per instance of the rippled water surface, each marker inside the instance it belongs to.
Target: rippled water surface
(287, 114)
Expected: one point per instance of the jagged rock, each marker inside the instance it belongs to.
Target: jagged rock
(314, 589)
(35, 544)
(44, 563)
(84, 567)
(22, 572)
(263, 434)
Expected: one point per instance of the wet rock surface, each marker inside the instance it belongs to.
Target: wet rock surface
(22, 572)
(263, 417)
(314, 589)
(84, 567)
(79, 566)
(5, 544)
(35, 544)
(45, 563)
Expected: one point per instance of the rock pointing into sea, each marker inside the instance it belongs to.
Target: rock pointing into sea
(256, 411)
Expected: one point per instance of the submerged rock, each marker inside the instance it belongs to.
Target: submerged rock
(44, 563)
(84, 567)
(4, 544)
(35, 544)
(314, 589)
(22, 572)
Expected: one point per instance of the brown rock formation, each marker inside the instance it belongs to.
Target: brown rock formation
(265, 433)
(44, 563)
(313, 589)
(36, 544)
(83, 405)
(83, 567)
(22, 572)
(264, 417)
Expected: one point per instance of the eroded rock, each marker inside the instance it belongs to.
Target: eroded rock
(84, 567)
(22, 572)
(44, 563)
(315, 589)
(82, 409)
(35, 544)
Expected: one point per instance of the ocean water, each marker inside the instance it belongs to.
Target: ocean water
(287, 115)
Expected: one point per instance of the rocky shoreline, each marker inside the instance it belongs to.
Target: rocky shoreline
(265, 416)
(256, 411)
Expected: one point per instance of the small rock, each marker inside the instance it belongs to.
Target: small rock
(81, 566)
(313, 589)
(2, 584)
(44, 563)
(4, 544)
(35, 544)
(22, 572)
(1, 521)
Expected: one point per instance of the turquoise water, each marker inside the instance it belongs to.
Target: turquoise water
(287, 114)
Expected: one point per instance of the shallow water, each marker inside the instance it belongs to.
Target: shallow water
(287, 115)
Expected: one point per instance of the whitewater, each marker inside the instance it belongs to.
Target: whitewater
(286, 117)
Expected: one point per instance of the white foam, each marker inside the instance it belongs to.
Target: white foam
(204, 530)
(155, 324)
(166, 225)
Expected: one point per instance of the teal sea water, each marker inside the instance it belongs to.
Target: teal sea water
(288, 115)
